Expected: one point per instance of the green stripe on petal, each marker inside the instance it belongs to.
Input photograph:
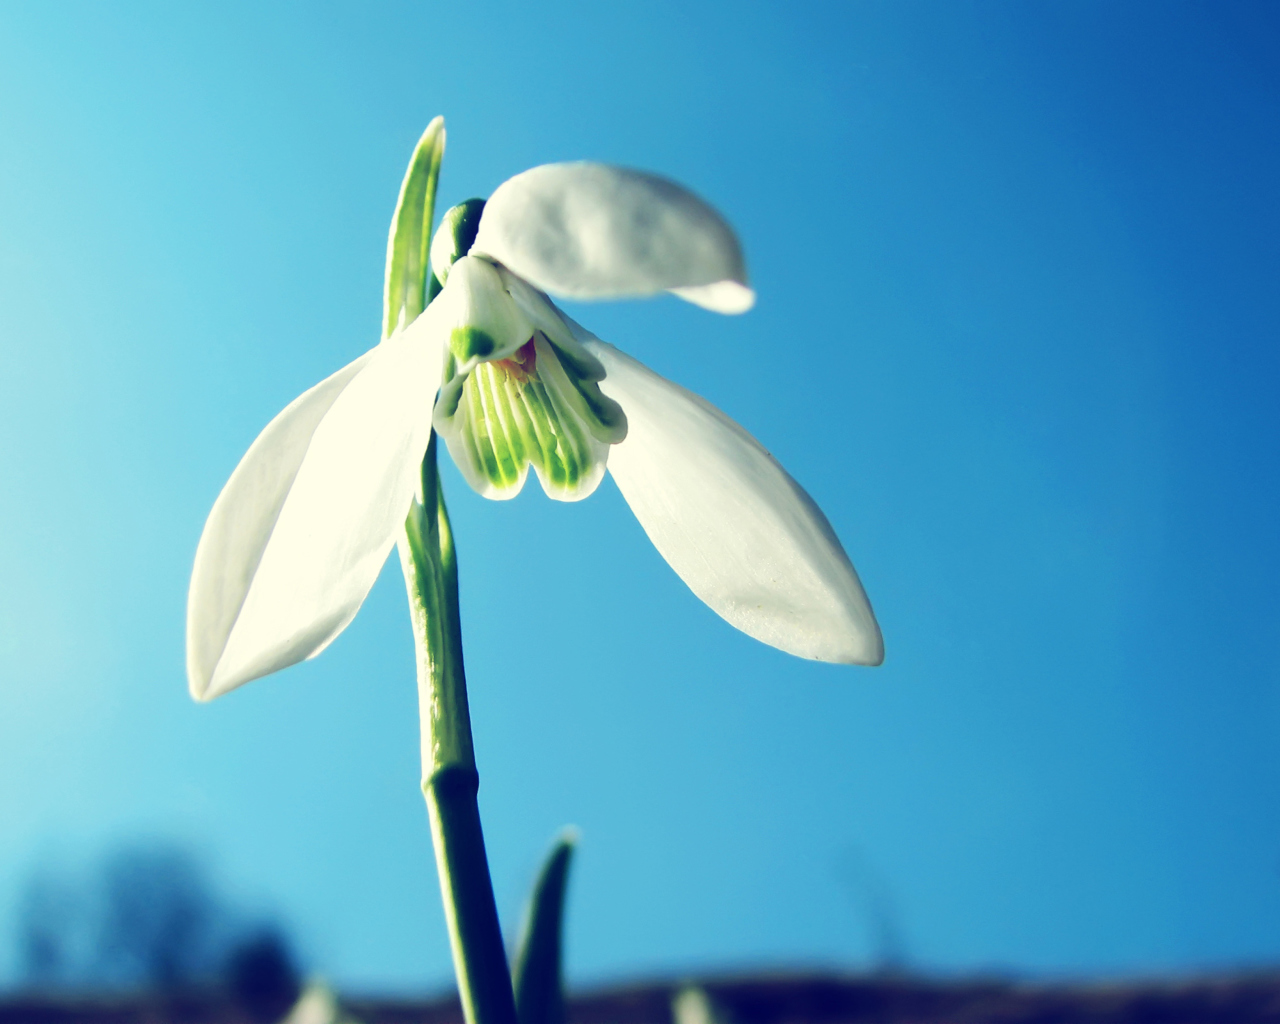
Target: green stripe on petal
(508, 414)
(579, 458)
(534, 398)
(603, 416)
(508, 452)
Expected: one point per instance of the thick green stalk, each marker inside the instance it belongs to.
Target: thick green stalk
(449, 778)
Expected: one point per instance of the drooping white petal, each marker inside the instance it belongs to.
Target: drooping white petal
(242, 519)
(299, 534)
(591, 231)
(737, 529)
(721, 297)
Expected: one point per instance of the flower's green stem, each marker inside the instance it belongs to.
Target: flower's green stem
(449, 778)
(479, 959)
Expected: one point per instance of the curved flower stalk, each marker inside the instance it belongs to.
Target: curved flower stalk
(301, 530)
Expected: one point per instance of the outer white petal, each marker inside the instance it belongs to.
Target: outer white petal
(298, 536)
(242, 519)
(738, 530)
(591, 231)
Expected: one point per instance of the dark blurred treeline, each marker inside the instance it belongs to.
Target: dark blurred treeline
(148, 918)
(144, 937)
(767, 999)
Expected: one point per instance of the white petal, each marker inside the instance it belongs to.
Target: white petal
(481, 319)
(552, 321)
(591, 231)
(300, 532)
(721, 297)
(732, 523)
(242, 519)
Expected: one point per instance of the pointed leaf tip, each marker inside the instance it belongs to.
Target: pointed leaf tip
(409, 240)
(538, 975)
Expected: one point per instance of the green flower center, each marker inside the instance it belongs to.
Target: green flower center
(532, 408)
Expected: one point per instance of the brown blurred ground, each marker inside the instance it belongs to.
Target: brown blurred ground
(782, 999)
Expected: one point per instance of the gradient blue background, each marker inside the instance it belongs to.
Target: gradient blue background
(1016, 333)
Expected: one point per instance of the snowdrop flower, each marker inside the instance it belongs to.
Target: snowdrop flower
(299, 534)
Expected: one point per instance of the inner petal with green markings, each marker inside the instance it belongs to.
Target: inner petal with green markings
(538, 403)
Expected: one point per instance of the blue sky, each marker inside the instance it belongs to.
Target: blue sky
(1016, 333)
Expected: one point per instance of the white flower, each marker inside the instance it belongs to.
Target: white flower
(301, 530)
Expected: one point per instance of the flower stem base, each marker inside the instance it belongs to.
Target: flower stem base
(475, 936)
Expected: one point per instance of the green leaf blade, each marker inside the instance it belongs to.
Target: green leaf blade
(538, 977)
(409, 241)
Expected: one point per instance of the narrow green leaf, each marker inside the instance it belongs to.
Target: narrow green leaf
(409, 241)
(538, 976)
